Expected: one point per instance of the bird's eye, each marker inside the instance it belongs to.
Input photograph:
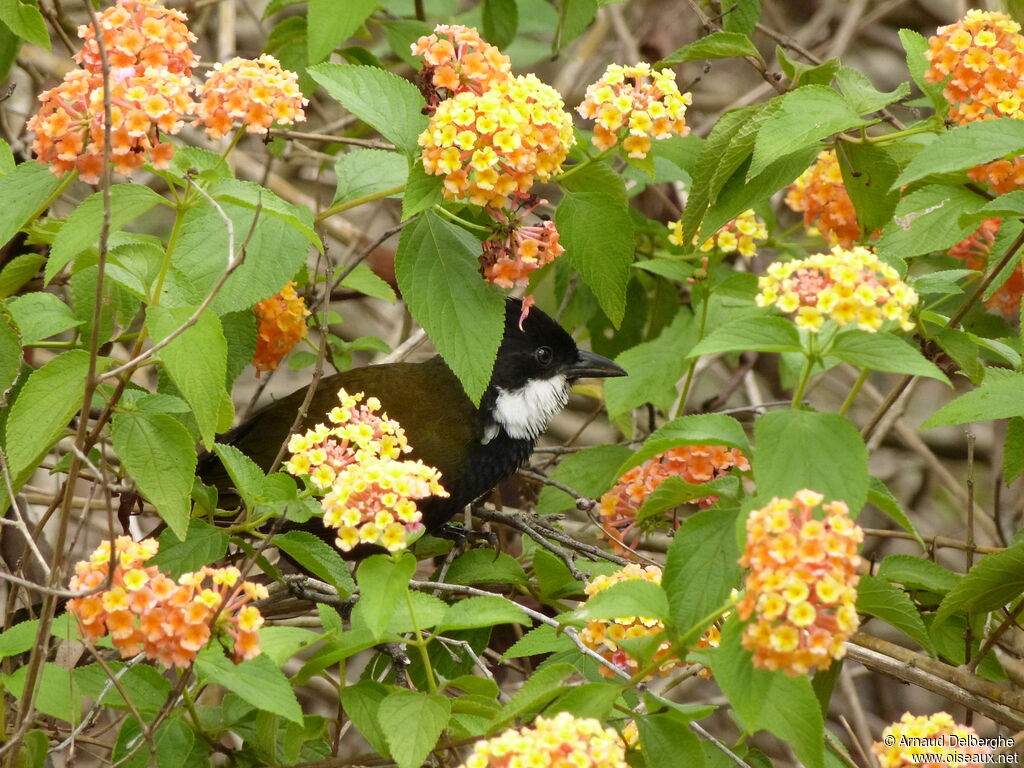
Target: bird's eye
(544, 356)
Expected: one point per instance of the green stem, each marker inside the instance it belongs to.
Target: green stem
(64, 182)
(810, 355)
(590, 160)
(179, 217)
(691, 370)
(421, 643)
(923, 127)
(854, 391)
(348, 204)
(700, 626)
(455, 219)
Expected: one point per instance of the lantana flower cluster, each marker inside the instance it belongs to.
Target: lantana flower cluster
(694, 464)
(604, 635)
(281, 325)
(820, 195)
(802, 585)
(930, 741)
(633, 105)
(556, 742)
(458, 59)
(257, 93)
(169, 621)
(151, 94)
(740, 235)
(371, 492)
(975, 251)
(492, 145)
(516, 250)
(846, 285)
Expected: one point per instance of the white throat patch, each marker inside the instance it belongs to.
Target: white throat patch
(525, 412)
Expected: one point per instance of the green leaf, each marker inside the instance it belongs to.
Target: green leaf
(23, 192)
(701, 568)
(145, 686)
(590, 472)
(673, 269)
(994, 581)
(19, 638)
(879, 598)
(881, 497)
(41, 412)
(760, 334)
(500, 21)
(755, 695)
(594, 700)
(883, 352)
(862, 95)
(917, 573)
(1013, 448)
(668, 744)
(597, 232)
(248, 194)
(806, 74)
(965, 146)
(438, 274)
(575, 16)
(386, 102)
(675, 491)
(540, 688)
(806, 116)
(245, 474)
(717, 45)
(382, 585)
(56, 692)
(40, 316)
(10, 353)
(478, 566)
(35, 748)
(196, 361)
(257, 681)
(203, 544)
(81, 229)
(365, 280)
(317, 557)
(412, 722)
(868, 173)
(945, 282)
(362, 701)
(157, 452)
(19, 271)
(788, 457)
(998, 397)
(174, 741)
(654, 368)
(927, 220)
(422, 191)
(699, 429)
(634, 597)
(916, 45)
(331, 23)
(742, 16)
(281, 643)
(25, 21)
(541, 640)
(482, 612)
(363, 172)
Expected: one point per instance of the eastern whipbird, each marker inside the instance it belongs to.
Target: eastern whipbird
(474, 448)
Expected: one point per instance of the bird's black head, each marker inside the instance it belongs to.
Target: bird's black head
(536, 363)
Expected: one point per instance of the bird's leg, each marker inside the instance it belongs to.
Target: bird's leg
(459, 535)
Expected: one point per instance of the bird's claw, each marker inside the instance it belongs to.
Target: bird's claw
(459, 534)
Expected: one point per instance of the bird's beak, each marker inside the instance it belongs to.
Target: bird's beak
(589, 365)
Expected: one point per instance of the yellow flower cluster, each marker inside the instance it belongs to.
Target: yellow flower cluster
(457, 59)
(493, 145)
(281, 325)
(931, 742)
(802, 585)
(635, 104)
(256, 92)
(739, 235)
(820, 195)
(562, 741)
(371, 492)
(694, 464)
(848, 286)
(147, 612)
(603, 635)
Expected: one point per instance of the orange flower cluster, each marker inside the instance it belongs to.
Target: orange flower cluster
(147, 612)
(739, 235)
(282, 325)
(603, 635)
(562, 741)
(139, 34)
(635, 104)
(694, 464)
(802, 585)
(820, 195)
(931, 742)
(981, 61)
(975, 250)
(458, 59)
(848, 286)
(516, 250)
(256, 92)
(371, 492)
(492, 145)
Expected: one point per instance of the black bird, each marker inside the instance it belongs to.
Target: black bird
(474, 448)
